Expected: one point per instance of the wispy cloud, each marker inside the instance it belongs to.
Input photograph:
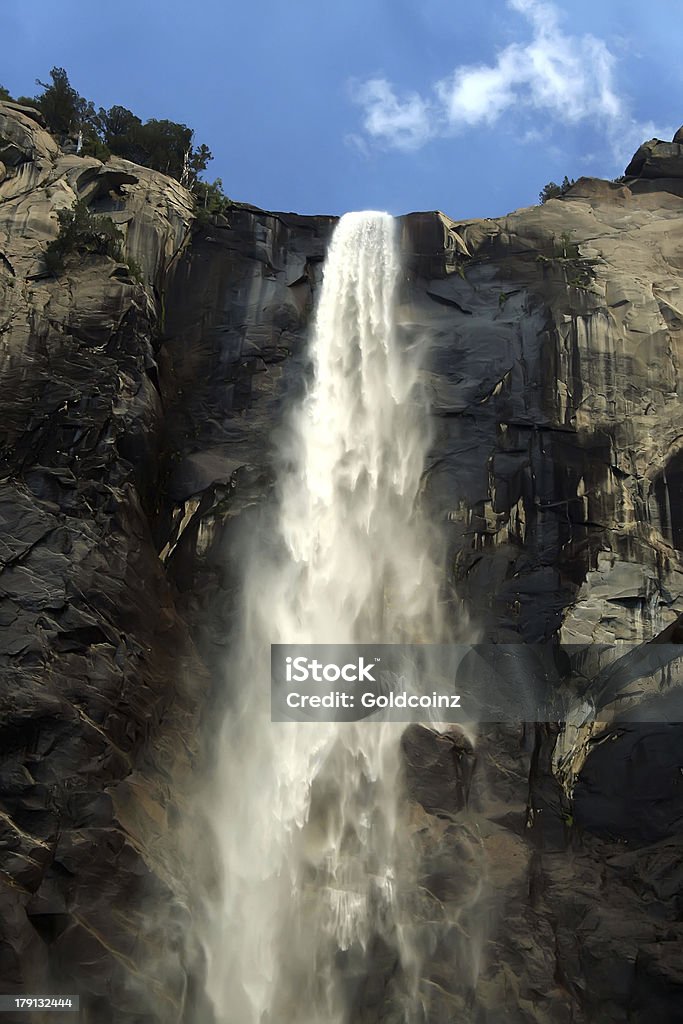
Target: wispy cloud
(565, 79)
(405, 123)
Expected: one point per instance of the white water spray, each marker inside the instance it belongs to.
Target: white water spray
(306, 814)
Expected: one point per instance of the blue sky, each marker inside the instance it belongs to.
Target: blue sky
(321, 107)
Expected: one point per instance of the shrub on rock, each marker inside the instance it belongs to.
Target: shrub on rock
(82, 232)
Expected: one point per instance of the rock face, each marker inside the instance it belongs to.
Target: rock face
(657, 159)
(555, 336)
(137, 418)
(99, 682)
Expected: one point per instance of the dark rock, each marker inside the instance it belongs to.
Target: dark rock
(438, 768)
(631, 787)
(659, 979)
(657, 159)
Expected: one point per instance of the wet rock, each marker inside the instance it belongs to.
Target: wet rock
(438, 768)
(631, 787)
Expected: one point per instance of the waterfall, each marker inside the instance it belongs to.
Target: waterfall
(306, 815)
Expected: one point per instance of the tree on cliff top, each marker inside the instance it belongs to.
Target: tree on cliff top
(199, 161)
(553, 191)
(161, 144)
(64, 109)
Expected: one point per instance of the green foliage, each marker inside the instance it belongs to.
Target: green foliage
(161, 145)
(4, 93)
(64, 109)
(82, 232)
(28, 101)
(567, 255)
(211, 200)
(553, 191)
(198, 161)
(93, 146)
(566, 249)
(166, 143)
(116, 122)
(123, 133)
(135, 269)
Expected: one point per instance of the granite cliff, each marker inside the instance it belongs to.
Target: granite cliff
(137, 415)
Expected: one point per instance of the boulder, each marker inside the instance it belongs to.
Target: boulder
(438, 768)
(656, 159)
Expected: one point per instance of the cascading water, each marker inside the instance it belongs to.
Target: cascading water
(306, 814)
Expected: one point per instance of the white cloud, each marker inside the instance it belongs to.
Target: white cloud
(565, 79)
(405, 124)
